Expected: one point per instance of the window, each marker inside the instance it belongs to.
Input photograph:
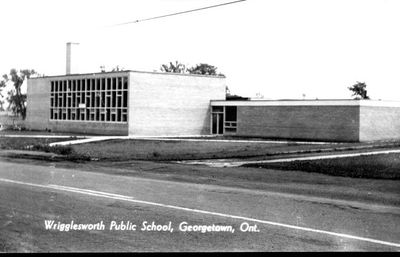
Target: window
(230, 119)
(101, 99)
(217, 109)
(231, 113)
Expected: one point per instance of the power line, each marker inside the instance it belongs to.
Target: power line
(178, 13)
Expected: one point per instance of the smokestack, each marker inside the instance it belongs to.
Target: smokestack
(68, 64)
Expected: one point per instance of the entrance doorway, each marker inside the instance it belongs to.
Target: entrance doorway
(217, 120)
(218, 123)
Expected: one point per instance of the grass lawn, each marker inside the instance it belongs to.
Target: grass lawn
(159, 150)
(34, 132)
(383, 166)
(134, 149)
(15, 143)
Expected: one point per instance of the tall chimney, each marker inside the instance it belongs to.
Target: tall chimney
(68, 63)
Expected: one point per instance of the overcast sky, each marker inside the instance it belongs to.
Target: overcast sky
(279, 48)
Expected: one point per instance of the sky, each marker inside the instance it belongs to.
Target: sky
(281, 49)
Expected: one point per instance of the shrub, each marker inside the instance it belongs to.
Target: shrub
(57, 149)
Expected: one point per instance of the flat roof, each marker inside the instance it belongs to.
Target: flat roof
(129, 71)
(323, 102)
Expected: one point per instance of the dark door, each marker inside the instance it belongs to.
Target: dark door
(217, 123)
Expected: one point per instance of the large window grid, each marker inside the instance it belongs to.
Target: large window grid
(94, 99)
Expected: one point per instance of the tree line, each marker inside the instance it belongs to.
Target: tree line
(200, 69)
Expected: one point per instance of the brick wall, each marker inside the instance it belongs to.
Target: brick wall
(331, 123)
(379, 123)
(38, 104)
(170, 104)
(85, 127)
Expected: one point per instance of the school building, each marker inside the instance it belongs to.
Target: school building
(168, 104)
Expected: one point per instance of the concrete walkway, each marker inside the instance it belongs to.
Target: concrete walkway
(226, 163)
(80, 141)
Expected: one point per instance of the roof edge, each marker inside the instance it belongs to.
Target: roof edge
(130, 71)
(327, 102)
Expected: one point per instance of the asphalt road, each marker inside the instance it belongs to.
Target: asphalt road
(30, 195)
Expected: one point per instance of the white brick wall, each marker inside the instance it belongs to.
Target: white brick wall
(170, 104)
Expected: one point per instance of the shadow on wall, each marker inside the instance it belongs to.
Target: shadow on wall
(206, 129)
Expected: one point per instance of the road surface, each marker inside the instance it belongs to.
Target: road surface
(221, 218)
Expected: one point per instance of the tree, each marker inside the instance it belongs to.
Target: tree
(17, 100)
(117, 68)
(201, 69)
(174, 68)
(2, 86)
(204, 69)
(359, 90)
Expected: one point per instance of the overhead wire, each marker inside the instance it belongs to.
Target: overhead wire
(179, 13)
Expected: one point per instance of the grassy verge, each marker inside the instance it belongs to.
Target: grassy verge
(37, 132)
(383, 166)
(22, 143)
(158, 150)
(378, 166)
(42, 145)
(294, 182)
